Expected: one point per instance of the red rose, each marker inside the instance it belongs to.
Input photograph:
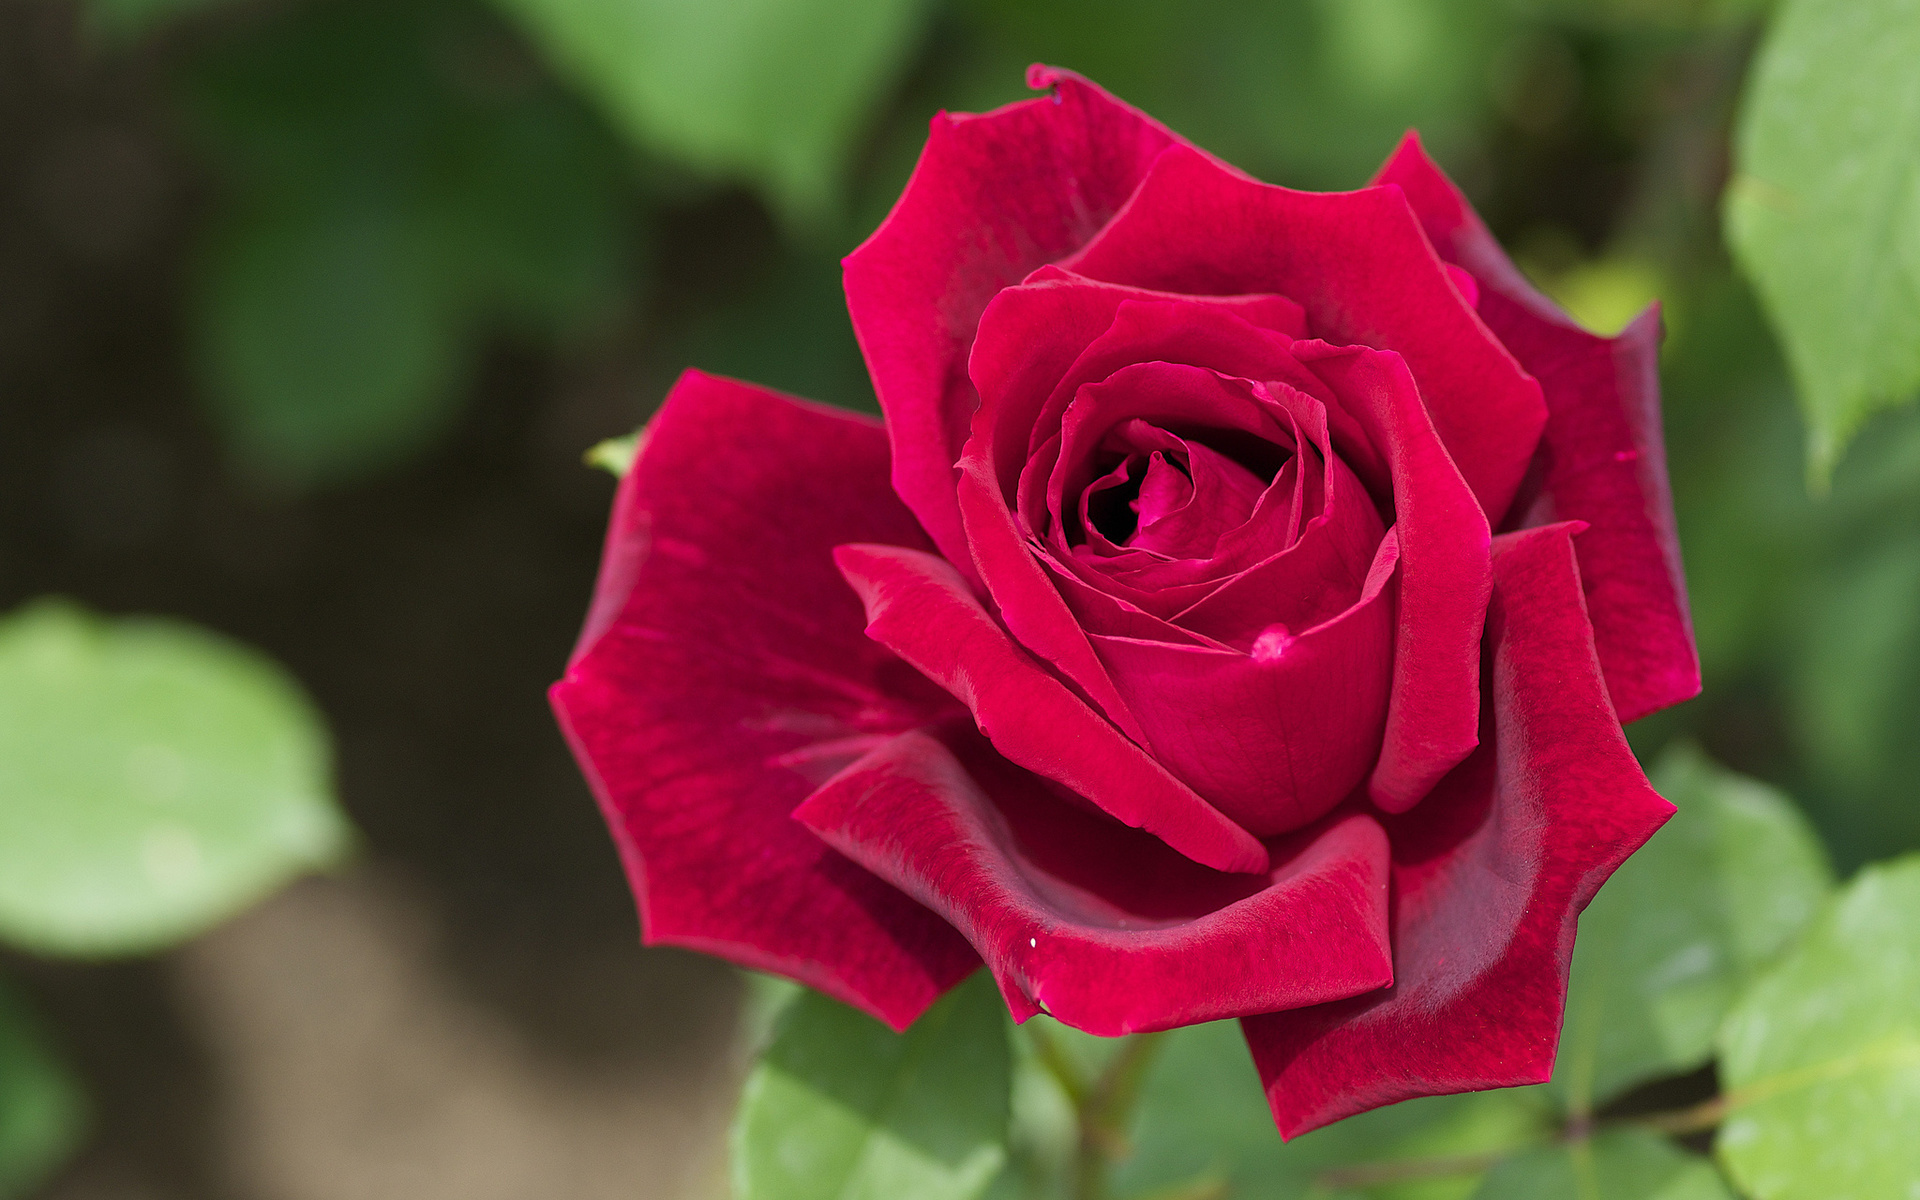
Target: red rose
(1248, 624)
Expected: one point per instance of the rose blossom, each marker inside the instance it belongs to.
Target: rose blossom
(1235, 617)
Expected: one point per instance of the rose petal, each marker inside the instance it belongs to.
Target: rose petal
(725, 675)
(1456, 231)
(1276, 738)
(1263, 310)
(1224, 601)
(1174, 393)
(1361, 267)
(1162, 395)
(1309, 582)
(1219, 498)
(1445, 575)
(1101, 612)
(1100, 925)
(1030, 336)
(994, 196)
(1041, 341)
(1029, 604)
(1605, 460)
(919, 607)
(1489, 874)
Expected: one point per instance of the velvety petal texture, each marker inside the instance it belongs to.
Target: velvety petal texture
(919, 607)
(994, 196)
(1361, 267)
(1096, 924)
(725, 676)
(1234, 617)
(1489, 874)
(1252, 649)
(1603, 456)
(1446, 575)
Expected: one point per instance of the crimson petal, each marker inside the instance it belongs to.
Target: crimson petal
(1097, 924)
(1489, 874)
(723, 675)
(994, 196)
(1363, 270)
(920, 608)
(1604, 458)
(1277, 737)
(1445, 572)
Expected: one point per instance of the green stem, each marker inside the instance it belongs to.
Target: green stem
(1680, 1122)
(1102, 1106)
(1405, 1170)
(1063, 1069)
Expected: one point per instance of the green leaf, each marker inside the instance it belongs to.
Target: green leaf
(615, 455)
(42, 1114)
(1820, 1059)
(400, 183)
(763, 999)
(1045, 1131)
(788, 330)
(1310, 93)
(1856, 684)
(154, 779)
(1620, 1164)
(842, 1108)
(1203, 1115)
(1668, 943)
(124, 20)
(327, 347)
(1824, 211)
(776, 93)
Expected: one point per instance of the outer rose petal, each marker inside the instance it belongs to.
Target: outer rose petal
(1433, 720)
(1489, 874)
(920, 608)
(994, 196)
(1604, 458)
(724, 675)
(1098, 924)
(1360, 266)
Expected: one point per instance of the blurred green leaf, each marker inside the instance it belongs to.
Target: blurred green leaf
(1736, 453)
(787, 330)
(401, 181)
(841, 1107)
(1807, 610)
(126, 19)
(1203, 1115)
(1310, 93)
(762, 1001)
(1604, 294)
(1630, 16)
(42, 1114)
(1821, 1057)
(615, 455)
(772, 92)
(1668, 943)
(1824, 211)
(154, 779)
(1619, 1164)
(328, 347)
(1858, 681)
(1044, 1133)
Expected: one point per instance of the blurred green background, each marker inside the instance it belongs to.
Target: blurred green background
(308, 309)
